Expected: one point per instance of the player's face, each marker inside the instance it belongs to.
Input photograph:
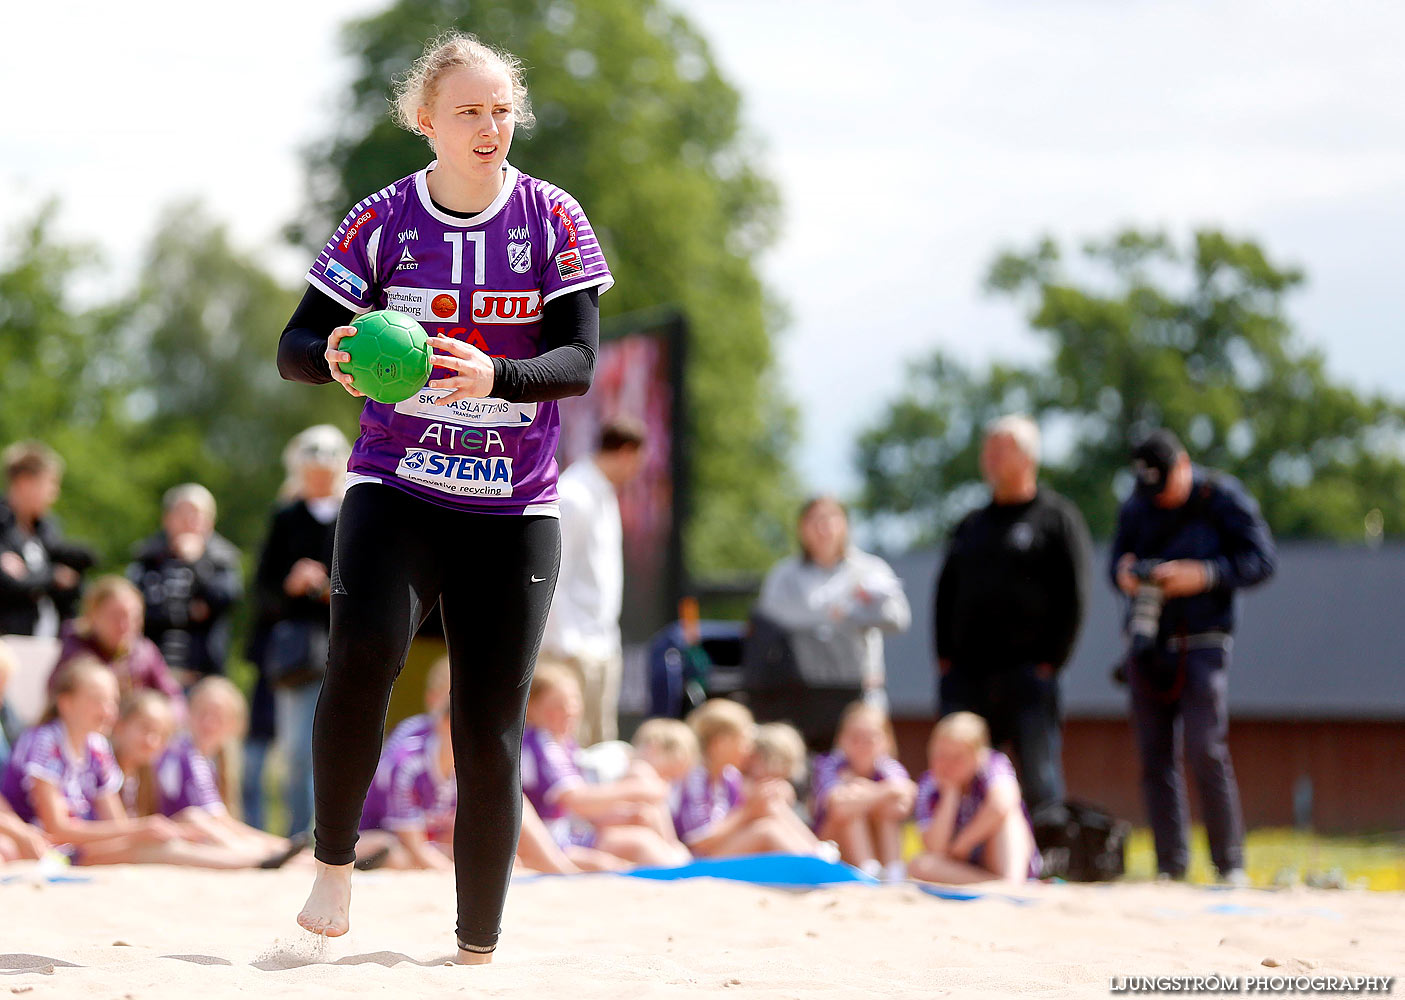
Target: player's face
(952, 761)
(116, 622)
(92, 706)
(561, 710)
(731, 749)
(862, 742)
(143, 737)
(472, 120)
(210, 723)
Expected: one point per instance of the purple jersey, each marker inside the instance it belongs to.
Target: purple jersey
(415, 727)
(830, 769)
(548, 769)
(185, 779)
(409, 793)
(704, 801)
(997, 767)
(43, 754)
(481, 280)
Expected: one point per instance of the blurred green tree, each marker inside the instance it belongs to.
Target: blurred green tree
(203, 322)
(173, 382)
(634, 119)
(1143, 333)
(63, 383)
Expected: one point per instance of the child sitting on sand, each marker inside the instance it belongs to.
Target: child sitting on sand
(64, 777)
(860, 795)
(665, 750)
(145, 724)
(974, 828)
(436, 700)
(627, 818)
(778, 751)
(19, 841)
(413, 800)
(110, 631)
(714, 816)
(197, 776)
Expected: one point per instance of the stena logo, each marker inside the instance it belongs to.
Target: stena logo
(510, 307)
(464, 475)
(407, 234)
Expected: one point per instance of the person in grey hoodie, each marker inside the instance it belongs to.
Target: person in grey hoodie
(831, 603)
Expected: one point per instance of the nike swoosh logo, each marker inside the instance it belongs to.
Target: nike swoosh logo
(539, 579)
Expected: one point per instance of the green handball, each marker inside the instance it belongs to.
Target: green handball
(390, 356)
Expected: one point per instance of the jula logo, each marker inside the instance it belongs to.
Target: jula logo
(511, 307)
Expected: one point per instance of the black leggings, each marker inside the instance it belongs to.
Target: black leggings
(493, 576)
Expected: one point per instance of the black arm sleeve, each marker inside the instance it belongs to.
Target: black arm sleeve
(570, 340)
(304, 340)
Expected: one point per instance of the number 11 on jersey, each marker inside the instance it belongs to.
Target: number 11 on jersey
(456, 241)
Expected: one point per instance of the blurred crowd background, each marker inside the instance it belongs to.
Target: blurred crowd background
(148, 369)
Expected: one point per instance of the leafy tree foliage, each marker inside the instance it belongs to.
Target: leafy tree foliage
(173, 382)
(1144, 333)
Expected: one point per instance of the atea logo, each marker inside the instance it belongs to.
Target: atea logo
(507, 307)
(407, 262)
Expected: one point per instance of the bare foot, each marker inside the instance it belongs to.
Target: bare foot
(328, 907)
(473, 958)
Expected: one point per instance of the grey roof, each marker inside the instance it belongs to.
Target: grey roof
(1325, 638)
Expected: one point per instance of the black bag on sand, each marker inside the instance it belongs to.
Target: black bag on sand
(1079, 842)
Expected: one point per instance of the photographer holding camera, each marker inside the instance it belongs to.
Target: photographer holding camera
(1186, 540)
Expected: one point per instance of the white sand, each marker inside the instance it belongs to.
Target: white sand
(147, 933)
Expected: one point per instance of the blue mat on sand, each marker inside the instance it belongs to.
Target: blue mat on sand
(786, 870)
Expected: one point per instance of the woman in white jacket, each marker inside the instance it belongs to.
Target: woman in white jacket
(834, 603)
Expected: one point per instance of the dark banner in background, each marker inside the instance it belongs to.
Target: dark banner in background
(639, 373)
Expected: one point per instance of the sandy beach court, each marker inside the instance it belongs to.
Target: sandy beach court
(156, 933)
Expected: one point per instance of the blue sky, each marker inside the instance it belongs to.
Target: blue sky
(911, 142)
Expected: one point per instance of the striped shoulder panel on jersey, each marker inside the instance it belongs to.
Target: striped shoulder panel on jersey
(555, 196)
(384, 194)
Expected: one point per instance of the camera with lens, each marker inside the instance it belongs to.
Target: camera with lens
(1144, 622)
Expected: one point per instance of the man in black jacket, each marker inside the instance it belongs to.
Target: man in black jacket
(1187, 539)
(191, 579)
(40, 572)
(1009, 603)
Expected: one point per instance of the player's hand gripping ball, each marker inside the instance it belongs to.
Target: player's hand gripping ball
(390, 356)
